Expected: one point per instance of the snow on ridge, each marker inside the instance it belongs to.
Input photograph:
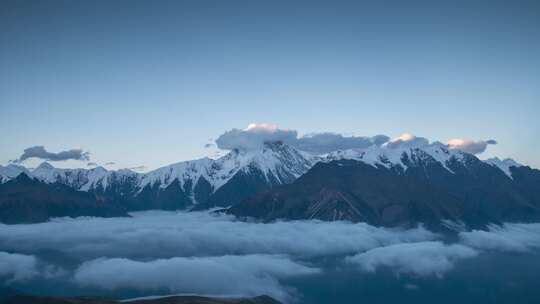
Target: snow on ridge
(278, 162)
(503, 164)
(389, 156)
(11, 171)
(273, 160)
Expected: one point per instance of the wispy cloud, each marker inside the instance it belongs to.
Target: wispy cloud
(253, 275)
(17, 267)
(470, 146)
(420, 258)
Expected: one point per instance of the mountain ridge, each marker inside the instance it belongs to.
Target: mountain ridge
(241, 175)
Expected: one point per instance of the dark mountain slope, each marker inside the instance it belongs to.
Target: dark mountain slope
(26, 200)
(527, 180)
(355, 191)
(475, 193)
(487, 194)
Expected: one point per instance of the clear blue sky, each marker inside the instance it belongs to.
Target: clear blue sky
(149, 82)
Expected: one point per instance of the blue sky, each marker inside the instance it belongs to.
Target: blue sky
(151, 82)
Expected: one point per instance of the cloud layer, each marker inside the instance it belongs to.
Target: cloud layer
(421, 258)
(17, 267)
(509, 237)
(255, 135)
(247, 275)
(41, 153)
(183, 234)
(191, 252)
(327, 142)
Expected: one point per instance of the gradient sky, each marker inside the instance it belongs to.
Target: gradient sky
(150, 82)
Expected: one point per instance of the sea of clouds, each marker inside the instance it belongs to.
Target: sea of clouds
(215, 254)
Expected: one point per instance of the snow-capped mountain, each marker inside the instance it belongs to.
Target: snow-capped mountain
(504, 164)
(441, 180)
(218, 182)
(11, 171)
(401, 158)
(393, 185)
(277, 163)
(95, 179)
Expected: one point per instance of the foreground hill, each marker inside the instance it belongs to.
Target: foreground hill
(164, 300)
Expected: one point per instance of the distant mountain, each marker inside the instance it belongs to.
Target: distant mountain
(404, 186)
(201, 183)
(382, 185)
(28, 200)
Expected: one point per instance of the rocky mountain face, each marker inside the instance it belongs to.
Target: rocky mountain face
(391, 187)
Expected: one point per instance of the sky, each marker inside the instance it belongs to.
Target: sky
(149, 83)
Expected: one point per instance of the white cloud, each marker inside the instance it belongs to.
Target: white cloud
(420, 259)
(172, 234)
(41, 153)
(328, 142)
(17, 267)
(470, 146)
(254, 136)
(407, 140)
(248, 275)
(508, 237)
(191, 252)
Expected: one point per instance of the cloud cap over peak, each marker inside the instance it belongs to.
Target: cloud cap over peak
(255, 135)
(407, 140)
(470, 146)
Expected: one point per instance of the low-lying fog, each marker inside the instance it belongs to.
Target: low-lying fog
(160, 252)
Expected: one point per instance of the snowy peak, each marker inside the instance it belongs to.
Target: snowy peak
(44, 166)
(281, 161)
(182, 172)
(404, 156)
(272, 162)
(11, 171)
(275, 160)
(80, 179)
(504, 164)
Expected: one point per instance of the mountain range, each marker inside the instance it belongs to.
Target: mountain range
(385, 184)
